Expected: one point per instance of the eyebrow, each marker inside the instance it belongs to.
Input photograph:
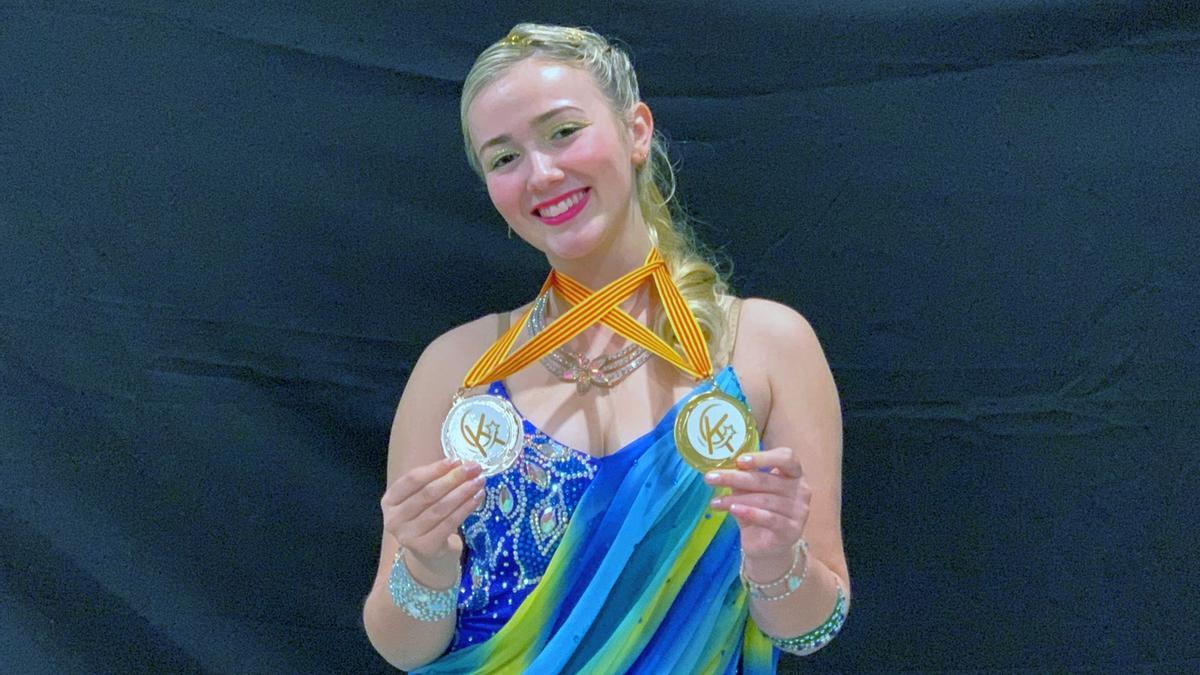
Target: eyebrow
(536, 121)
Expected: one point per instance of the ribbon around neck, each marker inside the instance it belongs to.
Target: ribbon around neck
(601, 306)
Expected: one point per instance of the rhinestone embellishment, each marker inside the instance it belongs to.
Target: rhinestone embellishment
(505, 499)
(537, 474)
(547, 520)
(571, 366)
(512, 535)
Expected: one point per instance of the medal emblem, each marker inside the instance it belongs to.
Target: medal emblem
(485, 429)
(713, 429)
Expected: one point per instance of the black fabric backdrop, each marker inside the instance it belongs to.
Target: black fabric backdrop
(228, 231)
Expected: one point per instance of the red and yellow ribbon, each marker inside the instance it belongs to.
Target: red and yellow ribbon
(591, 307)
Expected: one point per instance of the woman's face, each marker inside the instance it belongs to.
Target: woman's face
(558, 164)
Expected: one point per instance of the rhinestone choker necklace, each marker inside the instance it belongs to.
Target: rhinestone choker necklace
(571, 366)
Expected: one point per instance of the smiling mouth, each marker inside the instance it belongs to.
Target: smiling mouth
(564, 208)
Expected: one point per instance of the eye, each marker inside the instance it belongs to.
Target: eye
(501, 159)
(566, 130)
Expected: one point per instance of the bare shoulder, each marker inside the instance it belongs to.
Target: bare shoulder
(450, 355)
(435, 378)
(766, 324)
(779, 360)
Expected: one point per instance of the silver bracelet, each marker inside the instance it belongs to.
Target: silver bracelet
(789, 582)
(803, 645)
(416, 600)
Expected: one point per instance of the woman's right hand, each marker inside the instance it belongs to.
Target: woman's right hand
(423, 508)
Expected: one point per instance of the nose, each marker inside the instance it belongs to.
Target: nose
(543, 173)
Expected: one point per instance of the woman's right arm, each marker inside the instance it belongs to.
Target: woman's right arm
(426, 500)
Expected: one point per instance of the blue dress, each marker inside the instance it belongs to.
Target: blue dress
(603, 565)
(511, 537)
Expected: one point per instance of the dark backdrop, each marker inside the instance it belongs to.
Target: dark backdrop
(227, 232)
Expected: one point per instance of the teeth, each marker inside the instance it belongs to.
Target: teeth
(560, 207)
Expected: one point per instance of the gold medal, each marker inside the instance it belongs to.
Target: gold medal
(485, 429)
(713, 429)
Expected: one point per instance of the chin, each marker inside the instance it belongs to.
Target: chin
(571, 241)
(574, 246)
(569, 252)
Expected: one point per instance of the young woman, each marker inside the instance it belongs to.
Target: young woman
(598, 548)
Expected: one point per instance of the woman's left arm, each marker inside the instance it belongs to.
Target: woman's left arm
(793, 488)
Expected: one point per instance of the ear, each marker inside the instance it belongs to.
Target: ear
(641, 131)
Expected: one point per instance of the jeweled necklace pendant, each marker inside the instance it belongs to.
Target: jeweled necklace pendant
(583, 378)
(485, 429)
(713, 429)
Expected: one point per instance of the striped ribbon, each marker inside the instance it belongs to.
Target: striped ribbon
(592, 307)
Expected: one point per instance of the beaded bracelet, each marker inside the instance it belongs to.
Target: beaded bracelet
(790, 580)
(803, 645)
(416, 600)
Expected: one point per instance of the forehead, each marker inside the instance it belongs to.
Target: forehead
(527, 90)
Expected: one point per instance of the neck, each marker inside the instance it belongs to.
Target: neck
(598, 339)
(626, 251)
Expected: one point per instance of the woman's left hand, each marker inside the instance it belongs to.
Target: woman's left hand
(770, 508)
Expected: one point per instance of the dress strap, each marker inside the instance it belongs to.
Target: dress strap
(733, 312)
(503, 323)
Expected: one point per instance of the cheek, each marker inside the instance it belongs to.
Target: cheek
(505, 192)
(590, 154)
(605, 159)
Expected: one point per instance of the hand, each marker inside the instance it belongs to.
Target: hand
(424, 507)
(770, 508)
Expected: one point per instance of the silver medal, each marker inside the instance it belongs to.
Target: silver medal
(485, 429)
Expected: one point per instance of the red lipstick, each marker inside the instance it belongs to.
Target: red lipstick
(581, 199)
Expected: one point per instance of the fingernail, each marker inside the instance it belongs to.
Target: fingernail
(478, 495)
(736, 508)
(715, 503)
(479, 482)
(712, 476)
(745, 460)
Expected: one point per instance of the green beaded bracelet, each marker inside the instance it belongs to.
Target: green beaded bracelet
(803, 645)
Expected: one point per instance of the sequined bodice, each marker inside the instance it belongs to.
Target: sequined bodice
(513, 534)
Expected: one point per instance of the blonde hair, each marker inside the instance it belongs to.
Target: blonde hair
(670, 230)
